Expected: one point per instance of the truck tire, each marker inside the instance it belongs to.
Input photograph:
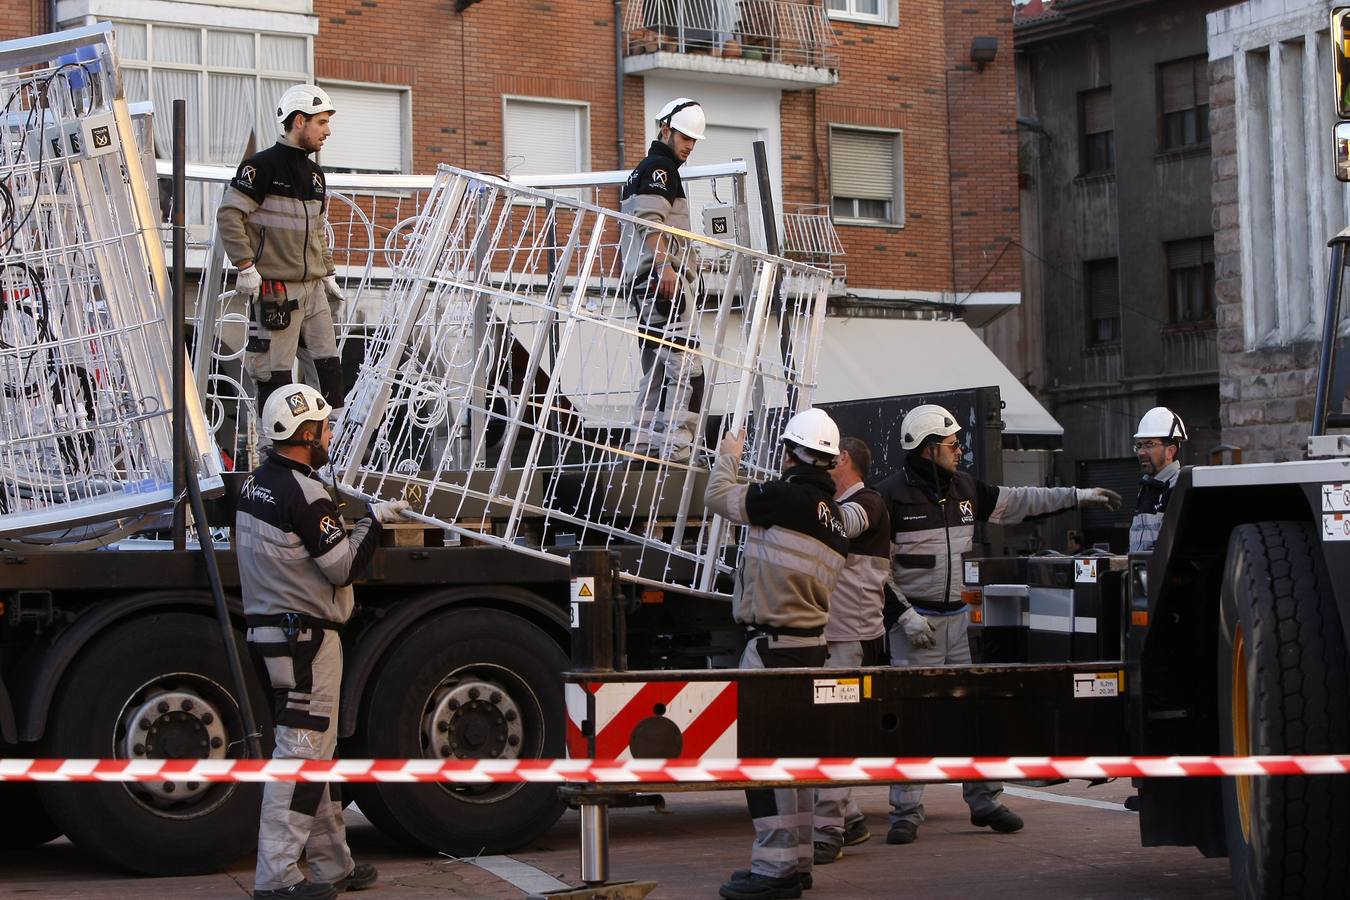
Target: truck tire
(1284, 687)
(156, 687)
(472, 684)
(25, 822)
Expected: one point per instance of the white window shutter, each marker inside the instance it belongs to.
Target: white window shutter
(862, 164)
(367, 129)
(544, 138)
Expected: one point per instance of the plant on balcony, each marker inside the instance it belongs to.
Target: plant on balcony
(731, 49)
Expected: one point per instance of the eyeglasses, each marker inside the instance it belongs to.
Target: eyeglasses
(951, 445)
(1147, 445)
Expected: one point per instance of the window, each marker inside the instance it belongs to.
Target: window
(1099, 131)
(545, 137)
(1184, 86)
(369, 130)
(1190, 279)
(867, 176)
(1102, 277)
(882, 12)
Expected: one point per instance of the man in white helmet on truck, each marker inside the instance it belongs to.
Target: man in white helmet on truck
(1157, 446)
(794, 552)
(272, 223)
(661, 280)
(933, 508)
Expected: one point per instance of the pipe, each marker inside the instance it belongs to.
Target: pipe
(594, 843)
(620, 146)
(178, 348)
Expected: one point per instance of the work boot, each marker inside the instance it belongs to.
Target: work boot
(747, 885)
(1002, 820)
(301, 890)
(856, 833)
(358, 879)
(903, 833)
(826, 853)
(803, 878)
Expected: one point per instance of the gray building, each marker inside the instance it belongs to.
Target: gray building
(1117, 229)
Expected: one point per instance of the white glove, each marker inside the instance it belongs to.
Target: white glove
(388, 511)
(248, 282)
(333, 289)
(1098, 498)
(917, 629)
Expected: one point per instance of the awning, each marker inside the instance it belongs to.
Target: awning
(862, 358)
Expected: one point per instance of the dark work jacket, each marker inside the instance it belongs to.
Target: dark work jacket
(1154, 492)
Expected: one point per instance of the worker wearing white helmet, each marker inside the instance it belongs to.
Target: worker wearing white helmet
(660, 278)
(272, 224)
(795, 549)
(296, 566)
(934, 506)
(1157, 446)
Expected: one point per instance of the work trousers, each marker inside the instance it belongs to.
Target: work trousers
(670, 395)
(782, 816)
(311, 331)
(951, 648)
(835, 808)
(305, 679)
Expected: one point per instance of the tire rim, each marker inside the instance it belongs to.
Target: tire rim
(482, 712)
(1242, 742)
(180, 715)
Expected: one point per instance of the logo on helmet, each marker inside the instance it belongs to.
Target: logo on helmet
(298, 404)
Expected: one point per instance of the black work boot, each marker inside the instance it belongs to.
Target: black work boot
(358, 879)
(1002, 820)
(804, 878)
(903, 833)
(856, 833)
(301, 890)
(826, 853)
(746, 885)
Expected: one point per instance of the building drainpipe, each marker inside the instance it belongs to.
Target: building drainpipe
(619, 146)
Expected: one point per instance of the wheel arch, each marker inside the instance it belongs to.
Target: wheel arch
(370, 646)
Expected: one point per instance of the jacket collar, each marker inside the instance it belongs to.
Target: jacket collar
(800, 473)
(661, 148)
(284, 141)
(1167, 474)
(926, 474)
(287, 463)
(849, 491)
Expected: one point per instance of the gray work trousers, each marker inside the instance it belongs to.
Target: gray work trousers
(299, 816)
(311, 327)
(670, 395)
(835, 807)
(952, 648)
(781, 816)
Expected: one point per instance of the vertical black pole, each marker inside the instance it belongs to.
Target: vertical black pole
(178, 349)
(619, 124)
(772, 246)
(1331, 319)
(595, 584)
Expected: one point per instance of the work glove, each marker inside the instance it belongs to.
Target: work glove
(917, 629)
(333, 289)
(387, 511)
(248, 282)
(1098, 498)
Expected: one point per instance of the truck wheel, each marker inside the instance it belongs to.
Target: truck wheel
(468, 684)
(25, 822)
(1284, 687)
(155, 688)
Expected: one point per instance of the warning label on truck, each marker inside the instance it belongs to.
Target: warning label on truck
(1085, 571)
(1336, 498)
(1096, 684)
(838, 690)
(583, 591)
(1336, 526)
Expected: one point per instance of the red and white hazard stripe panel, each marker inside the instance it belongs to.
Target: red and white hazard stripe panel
(704, 712)
(666, 771)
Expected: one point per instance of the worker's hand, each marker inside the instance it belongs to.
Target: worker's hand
(388, 511)
(1098, 498)
(917, 629)
(248, 282)
(669, 283)
(333, 289)
(733, 443)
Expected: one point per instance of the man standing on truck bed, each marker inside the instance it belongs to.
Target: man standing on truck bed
(1157, 446)
(794, 551)
(856, 633)
(296, 567)
(934, 507)
(272, 224)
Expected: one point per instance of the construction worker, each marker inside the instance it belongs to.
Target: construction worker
(272, 224)
(1157, 444)
(856, 633)
(661, 280)
(794, 550)
(933, 507)
(296, 566)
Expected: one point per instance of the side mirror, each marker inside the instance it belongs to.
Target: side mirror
(1340, 60)
(1342, 151)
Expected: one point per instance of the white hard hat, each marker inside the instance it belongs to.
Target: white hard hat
(309, 99)
(290, 407)
(813, 430)
(921, 421)
(1161, 422)
(685, 116)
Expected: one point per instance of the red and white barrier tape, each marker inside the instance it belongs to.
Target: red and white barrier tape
(668, 771)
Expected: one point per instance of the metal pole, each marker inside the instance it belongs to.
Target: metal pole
(619, 144)
(179, 334)
(595, 578)
(594, 843)
(1330, 319)
(772, 246)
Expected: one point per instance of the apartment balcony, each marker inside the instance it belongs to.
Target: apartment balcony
(809, 236)
(1190, 349)
(772, 43)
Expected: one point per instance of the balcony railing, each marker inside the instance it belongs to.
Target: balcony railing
(776, 31)
(1191, 348)
(809, 236)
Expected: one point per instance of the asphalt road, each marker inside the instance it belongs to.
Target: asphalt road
(1078, 843)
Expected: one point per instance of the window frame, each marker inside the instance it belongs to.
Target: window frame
(1207, 275)
(1198, 63)
(896, 202)
(1091, 342)
(583, 134)
(888, 15)
(1084, 137)
(405, 122)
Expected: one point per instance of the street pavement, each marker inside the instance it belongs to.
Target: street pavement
(1078, 843)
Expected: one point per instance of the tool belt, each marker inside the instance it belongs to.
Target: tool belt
(784, 631)
(925, 606)
(274, 307)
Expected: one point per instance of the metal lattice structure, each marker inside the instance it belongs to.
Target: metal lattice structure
(499, 389)
(85, 341)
